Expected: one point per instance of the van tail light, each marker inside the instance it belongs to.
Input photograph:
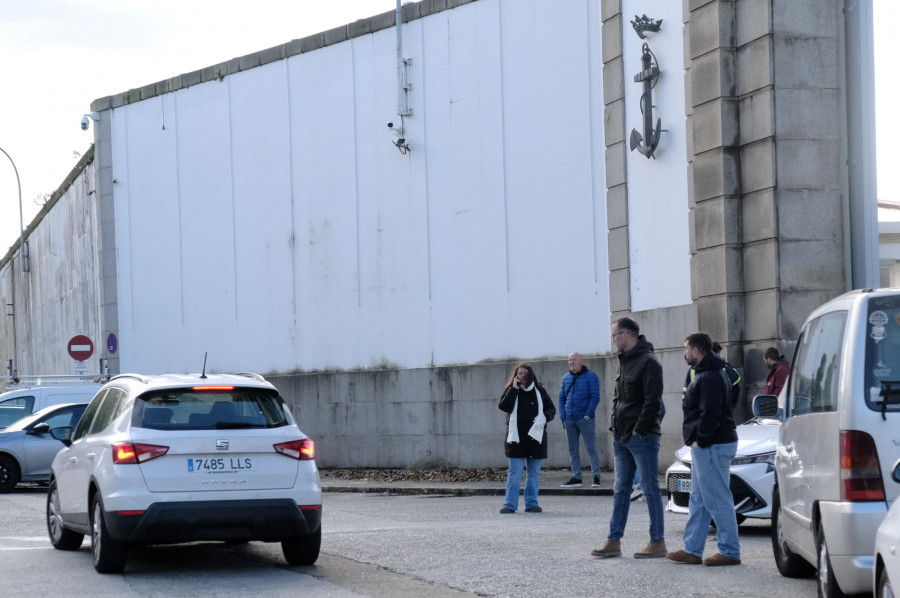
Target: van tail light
(302, 450)
(860, 470)
(128, 453)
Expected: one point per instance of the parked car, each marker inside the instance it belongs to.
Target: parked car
(174, 458)
(887, 549)
(16, 404)
(838, 440)
(27, 448)
(752, 471)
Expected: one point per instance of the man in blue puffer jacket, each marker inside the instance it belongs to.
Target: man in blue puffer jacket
(579, 394)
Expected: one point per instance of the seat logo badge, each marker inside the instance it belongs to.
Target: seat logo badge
(221, 445)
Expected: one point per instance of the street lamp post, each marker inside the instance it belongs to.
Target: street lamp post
(23, 248)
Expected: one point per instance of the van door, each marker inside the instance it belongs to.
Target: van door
(807, 461)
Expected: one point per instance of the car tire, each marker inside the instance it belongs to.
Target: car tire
(827, 584)
(9, 474)
(60, 537)
(788, 563)
(302, 550)
(110, 555)
(884, 588)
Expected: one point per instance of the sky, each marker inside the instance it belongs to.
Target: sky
(58, 56)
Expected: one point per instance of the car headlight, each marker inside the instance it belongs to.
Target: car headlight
(767, 458)
(684, 457)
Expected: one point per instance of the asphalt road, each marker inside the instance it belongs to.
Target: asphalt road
(397, 546)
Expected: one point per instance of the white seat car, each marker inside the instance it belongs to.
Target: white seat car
(174, 458)
(887, 549)
(752, 471)
(838, 442)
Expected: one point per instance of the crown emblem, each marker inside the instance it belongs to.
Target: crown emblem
(644, 24)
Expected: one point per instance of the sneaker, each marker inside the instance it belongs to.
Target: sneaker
(573, 483)
(720, 560)
(654, 550)
(506, 511)
(534, 509)
(686, 558)
(596, 483)
(636, 492)
(610, 549)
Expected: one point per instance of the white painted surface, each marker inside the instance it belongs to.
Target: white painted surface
(657, 188)
(272, 223)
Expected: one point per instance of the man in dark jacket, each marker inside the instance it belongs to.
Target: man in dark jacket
(579, 394)
(636, 417)
(709, 430)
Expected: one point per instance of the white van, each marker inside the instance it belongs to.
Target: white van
(839, 439)
(16, 404)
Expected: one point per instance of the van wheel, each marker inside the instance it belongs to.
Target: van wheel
(302, 550)
(110, 555)
(9, 474)
(788, 563)
(828, 587)
(60, 537)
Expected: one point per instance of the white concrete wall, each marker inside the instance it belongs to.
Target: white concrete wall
(658, 226)
(267, 219)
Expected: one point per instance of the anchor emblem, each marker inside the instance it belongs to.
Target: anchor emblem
(649, 75)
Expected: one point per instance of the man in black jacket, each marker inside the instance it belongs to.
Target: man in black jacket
(636, 416)
(709, 430)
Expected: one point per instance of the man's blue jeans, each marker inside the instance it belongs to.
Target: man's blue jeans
(641, 454)
(711, 497)
(585, 429)
(514, 482)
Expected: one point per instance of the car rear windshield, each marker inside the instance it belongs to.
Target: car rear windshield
(883, 353)
(209, 409)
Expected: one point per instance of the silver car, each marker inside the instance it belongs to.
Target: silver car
(27, 448)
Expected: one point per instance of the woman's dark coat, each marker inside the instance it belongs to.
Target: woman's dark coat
(527, 447)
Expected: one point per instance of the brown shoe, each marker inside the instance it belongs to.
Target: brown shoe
(680, 556)
(610, 549)
(720, 560)
(654, 550)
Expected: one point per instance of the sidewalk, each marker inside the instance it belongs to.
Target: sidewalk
(550, 485)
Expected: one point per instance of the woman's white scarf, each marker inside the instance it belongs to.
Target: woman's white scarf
(537, 429)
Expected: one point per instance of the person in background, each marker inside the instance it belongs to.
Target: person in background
(779, 369)
(710, 431)
(579, 394)
(635, 424)
(529, 408)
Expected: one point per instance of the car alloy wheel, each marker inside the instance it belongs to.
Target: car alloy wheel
(60, 537)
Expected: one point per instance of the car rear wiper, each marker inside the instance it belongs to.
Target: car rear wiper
(233, 425)
(889, 395)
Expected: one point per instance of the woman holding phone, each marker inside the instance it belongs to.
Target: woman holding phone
(529, 408)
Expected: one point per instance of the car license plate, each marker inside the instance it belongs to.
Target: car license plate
(684, 485)
(218, 464)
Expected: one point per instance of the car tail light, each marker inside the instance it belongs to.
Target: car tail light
(860, 470)
(302, 450)
(127, 453)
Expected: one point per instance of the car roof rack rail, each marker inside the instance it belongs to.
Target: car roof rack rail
(54, 379)
(138, 377)
(252, 375)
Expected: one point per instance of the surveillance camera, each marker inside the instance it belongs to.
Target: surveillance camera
(85, 121)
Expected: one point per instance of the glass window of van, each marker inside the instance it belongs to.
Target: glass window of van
(815, 379)
(882, 369)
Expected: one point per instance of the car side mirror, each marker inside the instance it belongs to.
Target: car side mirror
(896, 474)
(63, 434)
(765, 406)
(41, 428)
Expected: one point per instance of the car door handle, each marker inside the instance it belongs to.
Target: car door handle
(90, 456)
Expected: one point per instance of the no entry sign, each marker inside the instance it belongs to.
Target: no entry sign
(80, 347)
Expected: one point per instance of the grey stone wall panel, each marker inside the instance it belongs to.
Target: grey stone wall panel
(620, 290)
(722, 317)
(762, 309)
(716, 173)
(809, 164)
(615, 165)
(696, 4)
(810, 265)
(610, 8)
(715, 124)
(611, 36)
(757, 116)
(617, 207)
(712, 27)
(758, 215)
(717, 222)
(806, 62)
(614, 123)
(805, 18)
(754, 62)
(796, 305)
(808, 113)
(618, 248)
(761, 268)
(613, 80)
(807, 215)
(752, 20)
(713, 76)
(688, 98)
(689, 138)
(758, 166)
